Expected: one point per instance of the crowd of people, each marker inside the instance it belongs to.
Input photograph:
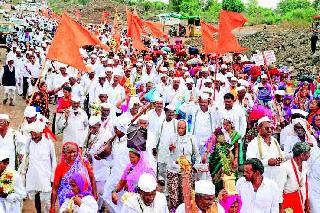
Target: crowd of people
(131, 121)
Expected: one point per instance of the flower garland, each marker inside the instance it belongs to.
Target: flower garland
(7, 182)
(226, 162)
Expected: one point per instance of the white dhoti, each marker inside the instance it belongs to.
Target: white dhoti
(10, 92)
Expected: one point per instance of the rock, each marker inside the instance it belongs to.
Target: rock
(289, 60)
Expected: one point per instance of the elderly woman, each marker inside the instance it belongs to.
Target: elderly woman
(226, 142)
(231, 203)
(316, 127)
(130, 177)
(182, 145)
(70, 163)
(80, 198)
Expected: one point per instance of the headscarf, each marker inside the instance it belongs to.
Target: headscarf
(227, 202)
(65, 146)
(137, 170)
(83, 185)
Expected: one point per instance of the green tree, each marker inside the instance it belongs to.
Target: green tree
(190, 7)
(285, 6)
(316, 4)
(174, 5)
(233, 5)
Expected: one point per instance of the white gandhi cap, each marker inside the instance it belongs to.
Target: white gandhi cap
(147, 182)
(205, 187)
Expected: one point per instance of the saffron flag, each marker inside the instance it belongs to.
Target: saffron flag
(135, 29)
(209, 43)
(155, 28)
(69, 37)
(105, 15)
(229, 21)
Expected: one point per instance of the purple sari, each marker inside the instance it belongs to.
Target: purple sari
(64, 187)
(132, 172)
(83, 184)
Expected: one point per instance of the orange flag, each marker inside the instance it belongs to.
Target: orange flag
(105, 16)
(99, 42)
(228, 21)
(135, 29)
(70, 36)
(155, 28)
(209, 43)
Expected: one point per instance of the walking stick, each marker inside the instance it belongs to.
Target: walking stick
(39, 78)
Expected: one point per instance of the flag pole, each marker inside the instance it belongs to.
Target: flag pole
(38, 81)
(215, 76)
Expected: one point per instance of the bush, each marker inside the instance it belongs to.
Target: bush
(300, 14)
(233, 5)
(262, 16)
(285, 6)
(190, 7)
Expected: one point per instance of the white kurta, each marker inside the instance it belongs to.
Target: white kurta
(289, 182)
(12, 203)
(274, 173)
(76, 127)
(101, 168)
(135, 204)
(155, 120)
(120, 159)
(314, 179)
(7, 144)
(88, 205)
(181, 209)
(166, 132)
(265, 199)
(42, 165)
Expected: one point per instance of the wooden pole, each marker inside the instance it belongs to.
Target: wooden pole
(37, 83)
(215, 77)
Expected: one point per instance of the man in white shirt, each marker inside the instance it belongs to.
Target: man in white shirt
(314, 179)
(156, 116)
(39, 166)
(10, 202)
(166, 131)
(148, 199)
(267, 149)
(74, 123)
(204, 199)
(61, 79)
(258, 193)
(9, 79)
(235, 112)
(295, 186)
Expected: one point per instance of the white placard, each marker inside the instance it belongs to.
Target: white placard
(258, 59)
(269, 56)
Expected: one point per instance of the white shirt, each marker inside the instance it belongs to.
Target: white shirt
(155, 120)
(289, 182)
(12, 203)
(76, 127)
(88, 205)
(42, 165)
(238, 117)
(314, 179)
(58, 81)
(135, 204)
(166, 132)
(182, 209)
(274, 173)
(265, 200)
(8, 145)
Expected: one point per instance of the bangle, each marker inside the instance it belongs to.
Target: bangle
(115, 190)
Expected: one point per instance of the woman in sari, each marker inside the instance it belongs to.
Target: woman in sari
(314, 109)
(40, 99)
(130, 177)
(226, 142)
(71, 162)
(80, 198)
(64, 103)
(230, 203)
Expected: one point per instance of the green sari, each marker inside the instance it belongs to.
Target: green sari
(223, 147)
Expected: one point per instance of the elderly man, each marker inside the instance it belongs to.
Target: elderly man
(9, 78)
(166, 131)
(267, 149)
(148, 199)
(108, 116)
(119, 161)
(258, 193)
(156, 116)
(10, 202)
(294, 183)
(12, 142)
(101, 167)
(181, 145)
(295, 186)
(204, 120)
(296, 131)
(74, 123)
(204, 199)
(39, 166)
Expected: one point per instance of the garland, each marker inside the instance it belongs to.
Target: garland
(7, 182)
